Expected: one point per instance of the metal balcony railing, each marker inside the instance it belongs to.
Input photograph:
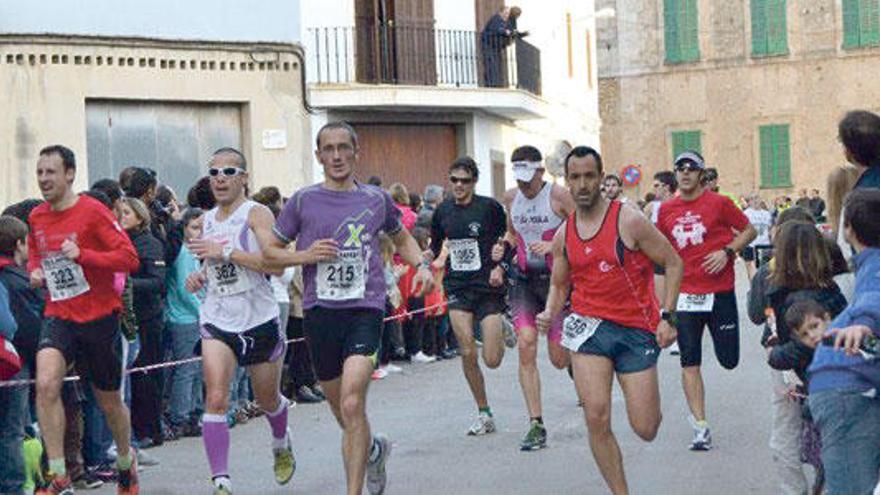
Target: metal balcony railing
(389, 54)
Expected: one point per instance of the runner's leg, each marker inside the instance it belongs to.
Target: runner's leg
(593, 377)
(51, 367)
(118, 417)
(692, 382)
(356, 438)
(529, 378)
(218, 365)
(642, 393)
(266, 382)
(463, 327)
(493, 340)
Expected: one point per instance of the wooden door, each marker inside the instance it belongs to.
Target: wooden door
(485, 9)
(366, 36)
(415, 53)
(415, 155)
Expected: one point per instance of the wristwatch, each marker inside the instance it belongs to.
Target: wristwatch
(729, 251)
(227, 252)
(668, 316)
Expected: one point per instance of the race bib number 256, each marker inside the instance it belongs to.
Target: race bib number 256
(577, 329)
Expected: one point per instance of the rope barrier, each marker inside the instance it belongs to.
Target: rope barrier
(172, 364)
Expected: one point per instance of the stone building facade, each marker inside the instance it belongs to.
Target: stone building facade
(757, 86)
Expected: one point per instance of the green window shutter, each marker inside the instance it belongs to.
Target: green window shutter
(686, 140)
(851, 23)
(777, 27)
(775, 156)
(671, 30)
(690, 37)
(869, 22)
(759, 27)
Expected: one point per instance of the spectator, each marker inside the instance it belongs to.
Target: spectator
(22, 209)
(433, 198)
(182, 317)
(415, 202)
(148, 285)
(200, 195)
(803, 201)
(612, 187)
(843, 383)
(302, 382)
(499, 32)
(859, 131)
(762, 220)
(375, 180)
(113, 191)
(400, 196)
(268, 196)
(817, 206)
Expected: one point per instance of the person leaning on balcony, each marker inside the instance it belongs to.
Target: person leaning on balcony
(498, 33)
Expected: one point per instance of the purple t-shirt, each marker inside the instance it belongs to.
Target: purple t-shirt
(354, 219)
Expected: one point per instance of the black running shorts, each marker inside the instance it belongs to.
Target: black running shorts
(92, 348)
(263, 343)
(723, 323)
(335, 334)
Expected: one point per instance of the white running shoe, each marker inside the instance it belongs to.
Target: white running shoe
(483, 425)
(393, 368)
(509, 334)
(377, 478)
(673, 349)
(379, 373)
(423, 358)
(702, 436)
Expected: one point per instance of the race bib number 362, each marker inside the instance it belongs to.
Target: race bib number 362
(464, 255)
(227, 279)
(64, 278)
(577, 329)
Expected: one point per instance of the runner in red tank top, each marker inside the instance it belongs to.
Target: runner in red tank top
(604, 256)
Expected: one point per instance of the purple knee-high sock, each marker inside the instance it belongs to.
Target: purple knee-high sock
(215, 433)
(278, 419)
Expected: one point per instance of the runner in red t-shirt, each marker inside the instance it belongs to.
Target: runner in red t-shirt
(707, 230)
(75, 247)
(604, 255)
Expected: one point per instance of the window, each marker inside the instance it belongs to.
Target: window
(775, 156)
(769, 35)
(861, 23)
(681, 31)
(686, 140)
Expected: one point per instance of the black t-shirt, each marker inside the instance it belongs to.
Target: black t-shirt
(472, 230)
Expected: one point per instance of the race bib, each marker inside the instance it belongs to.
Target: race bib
(464, 255)
(64, 278)
(695, 303)
(227, 279)
(344, 278)
(577, 329)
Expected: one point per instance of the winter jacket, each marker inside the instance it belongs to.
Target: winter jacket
(148, 283)
(27, 305)
(834, 370)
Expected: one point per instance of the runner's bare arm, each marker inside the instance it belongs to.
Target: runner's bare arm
(409, 250)
(564, 202)
(644, 236)
(510, 235)
(276, 254)
(560, 276)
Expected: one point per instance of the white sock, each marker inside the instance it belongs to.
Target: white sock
(375, 450)
(281, 443)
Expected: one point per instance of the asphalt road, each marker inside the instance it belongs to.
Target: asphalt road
(427, 409)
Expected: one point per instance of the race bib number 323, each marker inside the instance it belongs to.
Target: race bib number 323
(64, 278)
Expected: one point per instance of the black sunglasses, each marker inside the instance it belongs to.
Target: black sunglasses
(227, 171)
(461, 180)
(687, 166)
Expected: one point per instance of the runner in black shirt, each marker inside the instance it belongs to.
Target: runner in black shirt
(470, 226)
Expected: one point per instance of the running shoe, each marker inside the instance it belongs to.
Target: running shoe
(535, 439)
(145, 459)
(105, 472)
(88, 481)
(393, 368)
(674, 350)
(379, 373)
(421, 357)
(483, 425)
(305, 395)
(222, 486)
(509, 334)
(377, 478)
(285, 463)
(60, 485)
(702, 436)
(127, 483)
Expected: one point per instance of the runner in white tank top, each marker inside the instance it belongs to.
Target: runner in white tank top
(537, 209)
(239, 317)
(238, 298)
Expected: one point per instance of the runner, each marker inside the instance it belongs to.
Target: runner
(336, 226)
(238, 317)
(665, 187)
(75, 246)
(603, 255)
(761, 219)
(613, 188)
(700, 224)
(537, 208)
(471, 225)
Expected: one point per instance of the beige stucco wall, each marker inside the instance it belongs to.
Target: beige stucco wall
(45, 81)
(728, 94)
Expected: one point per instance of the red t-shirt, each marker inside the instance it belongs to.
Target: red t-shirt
(104, 250)
(697, 228)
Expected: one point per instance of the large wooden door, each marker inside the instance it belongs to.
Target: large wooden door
(415, 155)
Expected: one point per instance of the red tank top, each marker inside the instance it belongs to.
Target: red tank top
(608, 280)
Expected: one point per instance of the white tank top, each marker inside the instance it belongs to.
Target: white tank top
(238, 298)
(534, 220)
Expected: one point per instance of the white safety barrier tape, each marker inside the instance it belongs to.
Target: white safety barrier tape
(171, 364)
